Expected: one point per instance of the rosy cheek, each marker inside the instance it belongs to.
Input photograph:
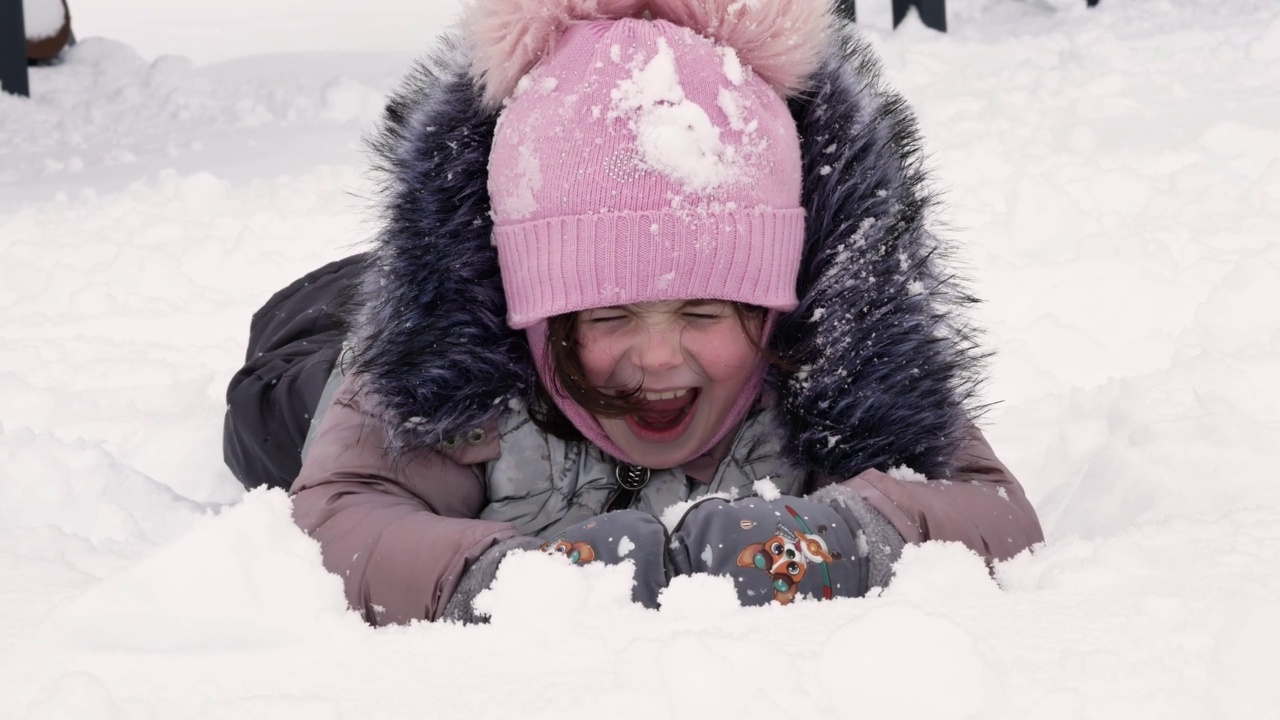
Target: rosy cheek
(596, 358)
(728, 355)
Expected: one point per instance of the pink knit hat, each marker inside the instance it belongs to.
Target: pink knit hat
(640, 160)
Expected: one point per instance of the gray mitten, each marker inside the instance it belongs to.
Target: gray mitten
(615, 537)
(776, 549)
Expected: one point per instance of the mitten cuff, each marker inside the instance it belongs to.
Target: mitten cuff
(478, 577)
(884, 543)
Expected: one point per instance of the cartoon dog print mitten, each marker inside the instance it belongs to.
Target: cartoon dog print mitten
(775, 550)
(614, 538)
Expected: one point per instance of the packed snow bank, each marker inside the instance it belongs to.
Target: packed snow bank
(229, 29)
(105, 117)
(81, 489)
(281, 595)
(1113, 176)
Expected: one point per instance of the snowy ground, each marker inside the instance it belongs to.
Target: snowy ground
(1114, 176)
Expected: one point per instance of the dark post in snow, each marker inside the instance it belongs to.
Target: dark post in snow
(13, 48)
(933, 13)
(1093, 2)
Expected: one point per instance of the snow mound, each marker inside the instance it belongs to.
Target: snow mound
(105, 107)
(869, 658)
(535, 589)
(941, 569)
(1242, 678)
(82, 490)
(74, 696)
(245, 578)
(698, 597)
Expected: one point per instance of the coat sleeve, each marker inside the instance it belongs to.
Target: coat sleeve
(982, 506)
(400, 535)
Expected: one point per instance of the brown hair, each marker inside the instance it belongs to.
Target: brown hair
(562, 354)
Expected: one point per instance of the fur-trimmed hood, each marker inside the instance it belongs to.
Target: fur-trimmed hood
(887, 363)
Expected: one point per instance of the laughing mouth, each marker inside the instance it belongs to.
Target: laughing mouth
(665, 410)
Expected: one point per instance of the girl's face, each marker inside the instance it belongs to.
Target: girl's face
(690, 359)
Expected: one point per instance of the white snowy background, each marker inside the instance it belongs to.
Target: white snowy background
(1113, 176)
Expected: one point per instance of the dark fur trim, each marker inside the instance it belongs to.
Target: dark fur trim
(890, 366)
(432, 340)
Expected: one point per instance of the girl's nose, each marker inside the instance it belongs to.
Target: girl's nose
(660, 350)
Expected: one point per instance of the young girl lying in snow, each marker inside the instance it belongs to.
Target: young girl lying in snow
(636, 254)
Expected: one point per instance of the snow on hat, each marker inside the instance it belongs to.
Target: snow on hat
(640, 160)
(644, 152)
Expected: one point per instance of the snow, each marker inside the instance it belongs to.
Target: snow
(528, 181)
(42, 18)
(280, 598)
(913, 646)
(732, 66)
(1113, 176)
(674, 136)
(766, 489)
(902, 473)
(672, 516)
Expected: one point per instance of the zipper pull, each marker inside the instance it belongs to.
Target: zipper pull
(631, 479)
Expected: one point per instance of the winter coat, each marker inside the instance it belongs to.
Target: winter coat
(426, 457)
(294, 342)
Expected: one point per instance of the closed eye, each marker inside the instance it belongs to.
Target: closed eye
(599, 320)
(706, 310)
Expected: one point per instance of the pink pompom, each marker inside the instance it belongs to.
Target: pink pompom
(510, 36)
(781, 40)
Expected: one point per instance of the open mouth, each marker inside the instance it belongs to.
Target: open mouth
(663, 416)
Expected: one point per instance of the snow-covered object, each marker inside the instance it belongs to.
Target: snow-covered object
(779, 39)
(43, 18)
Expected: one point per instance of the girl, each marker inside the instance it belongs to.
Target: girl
(654, 286)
